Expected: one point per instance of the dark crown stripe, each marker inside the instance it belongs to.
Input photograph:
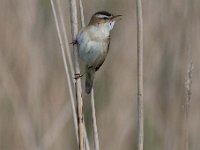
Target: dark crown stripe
(103, 13)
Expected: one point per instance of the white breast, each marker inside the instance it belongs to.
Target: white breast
(100, 32)
(93, 45)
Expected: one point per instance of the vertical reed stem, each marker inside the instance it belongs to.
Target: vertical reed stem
(78, 89)
(188, 94)
(95, 131)
(96, 137)
(140, 124)
(67, 72)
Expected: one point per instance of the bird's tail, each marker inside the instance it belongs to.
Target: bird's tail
(89, 80)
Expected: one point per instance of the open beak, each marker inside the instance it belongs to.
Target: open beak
(116, 17)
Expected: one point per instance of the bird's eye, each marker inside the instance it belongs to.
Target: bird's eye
(105, 18)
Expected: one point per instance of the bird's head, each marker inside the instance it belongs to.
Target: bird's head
(104, 18)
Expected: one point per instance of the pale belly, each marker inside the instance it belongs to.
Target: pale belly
(93, 45)
(93, 53)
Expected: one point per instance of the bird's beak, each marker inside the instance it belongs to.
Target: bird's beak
(116, 17)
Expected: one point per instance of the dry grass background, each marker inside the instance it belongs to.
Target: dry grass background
(35, 110)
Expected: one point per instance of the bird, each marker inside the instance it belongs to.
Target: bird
(93, 43)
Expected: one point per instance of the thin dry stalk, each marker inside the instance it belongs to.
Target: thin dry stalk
(66, 68)
(95, 131)
(96, 137)
(78, 89)
(140, 137)
(188, 93)
(66, 43)
(82, 14)
(87, 145)
(83, 25)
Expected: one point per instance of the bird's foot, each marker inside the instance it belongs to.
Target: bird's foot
(77, 76)
(75, 42)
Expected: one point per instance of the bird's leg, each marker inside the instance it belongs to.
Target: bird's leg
(78, 75)
(75, 42)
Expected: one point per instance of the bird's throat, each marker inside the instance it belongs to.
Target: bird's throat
(100, 32)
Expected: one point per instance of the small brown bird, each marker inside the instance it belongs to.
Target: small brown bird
(93, 43)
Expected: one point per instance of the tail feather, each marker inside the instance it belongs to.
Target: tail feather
(89, 80)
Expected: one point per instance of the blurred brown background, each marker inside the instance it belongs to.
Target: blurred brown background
(35, 110)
